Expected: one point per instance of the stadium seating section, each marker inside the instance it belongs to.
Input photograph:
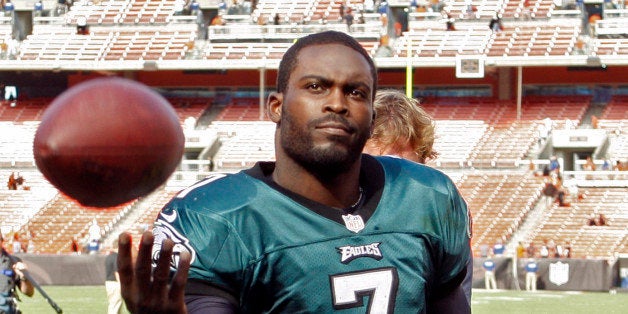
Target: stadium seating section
(483, 144)
(150, 30)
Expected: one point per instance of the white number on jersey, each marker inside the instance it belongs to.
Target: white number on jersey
(380, 285)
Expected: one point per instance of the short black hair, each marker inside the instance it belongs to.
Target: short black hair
(289, 59)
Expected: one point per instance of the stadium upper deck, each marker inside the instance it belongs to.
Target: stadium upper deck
(149, 34)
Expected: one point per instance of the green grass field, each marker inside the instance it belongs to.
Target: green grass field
(92, 300)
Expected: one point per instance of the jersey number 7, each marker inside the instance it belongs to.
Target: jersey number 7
(380, 284)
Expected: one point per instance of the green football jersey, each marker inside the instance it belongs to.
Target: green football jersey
(277, 252)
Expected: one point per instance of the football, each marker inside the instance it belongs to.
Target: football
(107, 141)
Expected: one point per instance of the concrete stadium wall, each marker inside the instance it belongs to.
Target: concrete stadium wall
(579, 274)
(71, 270)
(568, 274)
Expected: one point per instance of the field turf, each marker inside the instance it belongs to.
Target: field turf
(93, 300)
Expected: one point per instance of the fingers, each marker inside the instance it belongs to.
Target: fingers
(180, 278)
(162, 272)
(125, 270)
(143, 269)
(146, 290)
(125, 262)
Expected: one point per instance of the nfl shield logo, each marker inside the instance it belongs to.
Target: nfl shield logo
(559, 273)
(353, 222)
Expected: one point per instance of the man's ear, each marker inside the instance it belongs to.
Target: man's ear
(275, 101)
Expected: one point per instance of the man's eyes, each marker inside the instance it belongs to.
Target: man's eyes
(315, 86)
(358, 93)
(353, 92)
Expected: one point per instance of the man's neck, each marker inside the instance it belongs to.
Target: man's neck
(338, 191)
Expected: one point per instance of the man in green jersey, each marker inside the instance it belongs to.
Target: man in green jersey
(324, 229)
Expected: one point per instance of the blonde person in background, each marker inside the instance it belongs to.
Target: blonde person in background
(402, 128)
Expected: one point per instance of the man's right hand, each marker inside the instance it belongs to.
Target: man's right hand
(145, 290)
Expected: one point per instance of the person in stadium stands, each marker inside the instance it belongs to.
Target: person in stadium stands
(554, 165)
(449, 22)
(552, 251)
(341, 11)
(567, 251)
(9, 8)
(606, 165)
(112, 281)
(550, 191)
(531, 268)
(17, 245)
(499, 248)
(571, 186)
(489, 274)
(61, 8)
(179, 7)
(559, 251)
(194, 8)
(235, 8)
(561, 192)
(14, 279)
(222, 7)
(318, 227)
(19, 181)
(543, 133)
(592, 221)
(218, 21)
(589, 165)
(75, 248)
(545, 172)
(436, 5)
(81, 26)
(94, 236)
(470, 10)
(496, 24)
(521, 250)
(619, 166)
(12, 182)
(38, 9)
(544, 251)
(348, 17)
(595, 121)
(402, 128)
(531, 250)
(601, 220)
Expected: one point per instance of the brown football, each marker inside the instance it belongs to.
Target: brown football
(108, 141)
